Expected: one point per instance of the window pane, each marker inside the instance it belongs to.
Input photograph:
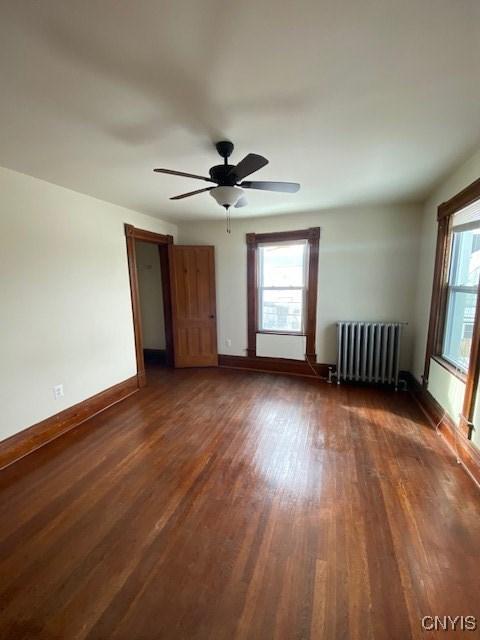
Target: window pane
(465, 258)
(282, 310)
(282, 265)
(459, 325)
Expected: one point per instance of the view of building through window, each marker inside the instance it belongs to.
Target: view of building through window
(462, 296)
(282, 286)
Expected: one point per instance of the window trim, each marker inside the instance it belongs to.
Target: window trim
(450, 367)
(312, 235)
(438, 307)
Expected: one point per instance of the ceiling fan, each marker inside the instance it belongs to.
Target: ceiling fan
(229, 179)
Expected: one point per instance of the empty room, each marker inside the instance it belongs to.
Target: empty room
(239, 320)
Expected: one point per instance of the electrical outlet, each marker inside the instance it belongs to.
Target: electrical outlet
(58, 391)
(228, 342)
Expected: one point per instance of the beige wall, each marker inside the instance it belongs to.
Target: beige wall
(367, 271)
(448, 390)
(151, 295)
(444, 386)
(65, 313)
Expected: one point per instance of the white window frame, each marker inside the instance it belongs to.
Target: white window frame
(261, 288)
(452, 289)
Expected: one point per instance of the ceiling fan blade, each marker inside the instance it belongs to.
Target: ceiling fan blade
(183, 174)
(242, 202)
(284, 187)
(248, 165)
(191, 193)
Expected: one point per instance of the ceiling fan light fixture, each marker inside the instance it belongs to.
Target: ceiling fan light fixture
(227, 196)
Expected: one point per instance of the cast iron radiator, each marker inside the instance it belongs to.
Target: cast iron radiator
(369, 351)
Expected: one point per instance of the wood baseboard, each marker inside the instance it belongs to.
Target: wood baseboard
(34, 437)
(467, 453)
(274, 365)
(285, 366)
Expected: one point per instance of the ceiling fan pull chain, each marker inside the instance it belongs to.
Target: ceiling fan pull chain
(229, 222)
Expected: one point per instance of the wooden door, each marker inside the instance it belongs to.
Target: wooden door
(193, 306)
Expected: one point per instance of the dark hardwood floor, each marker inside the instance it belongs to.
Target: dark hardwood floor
(222, 504)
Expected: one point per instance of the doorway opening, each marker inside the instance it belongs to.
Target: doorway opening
(151, 303)
(149, 269)
(187, 275)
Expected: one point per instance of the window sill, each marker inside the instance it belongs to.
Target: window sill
(450, 368)
(280, 333)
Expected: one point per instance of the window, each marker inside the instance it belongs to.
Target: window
(462, 296)
(282, 286)
(282, 270)
(454, 326)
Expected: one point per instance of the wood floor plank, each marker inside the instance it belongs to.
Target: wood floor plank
(222, 504)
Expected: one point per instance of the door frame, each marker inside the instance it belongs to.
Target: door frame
(163, 242)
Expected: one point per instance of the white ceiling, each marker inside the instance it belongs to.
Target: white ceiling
(361, 101)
